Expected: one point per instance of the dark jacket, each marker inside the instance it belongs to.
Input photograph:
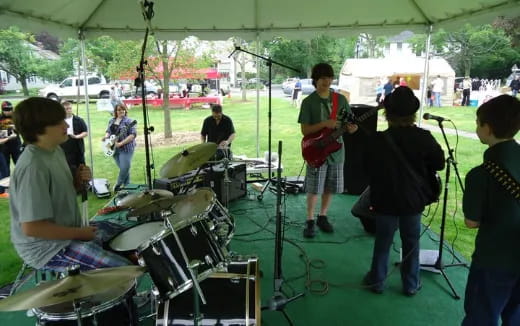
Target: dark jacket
(393, 190)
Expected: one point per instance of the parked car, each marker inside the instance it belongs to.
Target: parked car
(68, 89)
(150, 88)
(307, 87)
(254, 81)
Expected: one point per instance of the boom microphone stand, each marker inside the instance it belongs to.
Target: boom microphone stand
(148, 13)
(450, 162)
(269, 62)
(279, 299)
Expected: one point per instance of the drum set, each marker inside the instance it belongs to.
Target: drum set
(188, 245)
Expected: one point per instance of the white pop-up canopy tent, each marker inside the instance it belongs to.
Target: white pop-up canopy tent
(358, 77)
(248, 19)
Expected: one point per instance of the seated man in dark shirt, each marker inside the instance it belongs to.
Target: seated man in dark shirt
(218, 128)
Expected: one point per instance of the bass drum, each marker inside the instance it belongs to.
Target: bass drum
(114, 307)
(233, 298)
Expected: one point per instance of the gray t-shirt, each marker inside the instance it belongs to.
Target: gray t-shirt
(41, 189)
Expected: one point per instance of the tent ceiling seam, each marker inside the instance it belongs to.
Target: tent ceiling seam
(25, 15)
(421, 11)
(100, 4)
(505, 4)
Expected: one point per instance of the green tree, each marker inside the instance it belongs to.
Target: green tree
(16, 56)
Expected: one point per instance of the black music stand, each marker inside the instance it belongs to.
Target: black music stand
(269, 62)
(439, 265)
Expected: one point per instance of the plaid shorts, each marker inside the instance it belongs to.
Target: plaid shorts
(89, 254)
(325, 178)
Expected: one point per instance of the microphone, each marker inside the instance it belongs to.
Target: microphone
(428, 116)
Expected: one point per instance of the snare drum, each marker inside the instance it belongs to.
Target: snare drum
(127, 242)
(203, 204)
(166, 265)
(114, 307)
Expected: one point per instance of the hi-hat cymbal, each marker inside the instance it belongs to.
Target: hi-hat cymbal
(72, 287)
(143, 198)
(188, 160)
(152, 207)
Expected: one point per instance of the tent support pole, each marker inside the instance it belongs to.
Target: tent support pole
(257, 98)
(424, 100)
(87, 107)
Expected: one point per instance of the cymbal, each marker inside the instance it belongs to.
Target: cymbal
(152, 207)
(72, 287)
(187, 160)
(192, 205)
(143, 198)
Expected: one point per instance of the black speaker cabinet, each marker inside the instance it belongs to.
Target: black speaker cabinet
(227, 185)
(353, 171)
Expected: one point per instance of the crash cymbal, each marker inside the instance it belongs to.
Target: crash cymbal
(72, 287)
(192, 205)
(143, 198)
(188, 160)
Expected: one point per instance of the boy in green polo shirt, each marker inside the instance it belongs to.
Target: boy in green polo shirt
(493, 288)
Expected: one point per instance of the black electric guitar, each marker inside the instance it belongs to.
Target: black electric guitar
(108, 145)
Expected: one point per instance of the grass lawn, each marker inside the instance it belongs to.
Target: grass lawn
(284, 128)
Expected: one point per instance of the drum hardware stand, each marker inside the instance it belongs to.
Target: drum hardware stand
(279, 299)
(269, 62)
(77, 311)
(439, 265)
(189, 265)
(196, 304)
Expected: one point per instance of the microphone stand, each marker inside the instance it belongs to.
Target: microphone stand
(269, 62)
(147, 10)
(439, 265)
(279, 299)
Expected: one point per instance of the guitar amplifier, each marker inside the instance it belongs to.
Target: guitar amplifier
(228, 185)
(181, 184)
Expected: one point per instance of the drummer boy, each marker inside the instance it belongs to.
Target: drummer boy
(46, 226)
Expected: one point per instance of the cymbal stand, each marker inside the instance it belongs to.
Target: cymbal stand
(279, 299)
(190, 265)
(269, 62)
(439, 265)
(77, 311)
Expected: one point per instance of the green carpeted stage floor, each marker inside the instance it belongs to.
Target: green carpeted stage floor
(328, 270)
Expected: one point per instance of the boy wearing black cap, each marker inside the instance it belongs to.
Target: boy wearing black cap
(393, 191)
(316, 114)
(12, 148)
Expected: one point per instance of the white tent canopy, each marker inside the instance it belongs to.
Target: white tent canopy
(359, 76)
(248, 19)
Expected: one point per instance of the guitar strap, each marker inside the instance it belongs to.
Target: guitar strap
(503, 178)
(334, 112)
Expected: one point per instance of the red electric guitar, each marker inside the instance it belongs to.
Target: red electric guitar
(317, 146)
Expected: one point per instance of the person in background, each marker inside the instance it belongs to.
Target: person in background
(10, 144)
(316, 114)
(74, 146)
(394, 194)
(379, 92)
(46, 228)
(437, 86)
(218, 128)
(387, 88)
(121, 126)
(515, 85)
(13, 146)
(493, 286)
(296, 92)
(466, 91)
(402, 82)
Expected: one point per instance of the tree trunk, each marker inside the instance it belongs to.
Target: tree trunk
(23, 81)
(166, 91)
